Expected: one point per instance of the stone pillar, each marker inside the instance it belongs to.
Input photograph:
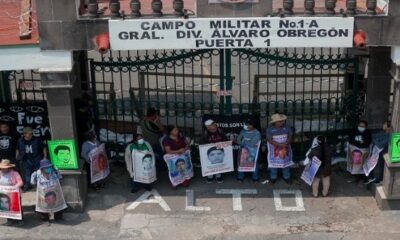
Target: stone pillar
(59, 91)
(378, 86)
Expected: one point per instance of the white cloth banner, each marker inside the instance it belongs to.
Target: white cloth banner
(310, 170)
(50, 199)
(248, 156)
(356, 158)
(216, 158)
(144, 166)
(372, 160)
(210, 33)
(180, 167)
(99, 168)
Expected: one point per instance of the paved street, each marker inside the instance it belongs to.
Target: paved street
(217, 212)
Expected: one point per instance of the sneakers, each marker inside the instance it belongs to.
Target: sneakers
(272, 181)
(371, 180)
(209, 180)
(288, 181)
(220, 180)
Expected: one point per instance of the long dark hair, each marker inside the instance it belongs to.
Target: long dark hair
(322, 141)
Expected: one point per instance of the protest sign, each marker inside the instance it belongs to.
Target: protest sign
(248, 158)
(395, 147)
(20, 115)
(99, 168)
(372, 160)
(216, 158)
(310, 170)
(50, 199)
(10, 202)
(279, 157)
(63, 154)
(144, 166)
(356, 158)
(180, 167)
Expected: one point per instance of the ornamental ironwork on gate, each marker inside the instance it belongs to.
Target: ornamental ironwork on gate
(316, 88)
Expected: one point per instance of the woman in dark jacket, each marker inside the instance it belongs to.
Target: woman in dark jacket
(323, 151)
(361, 137)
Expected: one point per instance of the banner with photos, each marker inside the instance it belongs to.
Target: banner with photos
(144, 166)
(372, 160)
(310, 171)
(10, 202)
(356, 158)
(180, 167)
(99, 168)
(248, 158)
(216, 158)
(279, 157)
(50, 199)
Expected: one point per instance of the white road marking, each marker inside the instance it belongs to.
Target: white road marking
(144, 198)
(236, 196)
(298, 198)
(190, 203)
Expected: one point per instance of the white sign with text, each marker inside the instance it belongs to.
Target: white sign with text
(203, 33)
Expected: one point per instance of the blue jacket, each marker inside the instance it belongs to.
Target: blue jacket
(30, 150)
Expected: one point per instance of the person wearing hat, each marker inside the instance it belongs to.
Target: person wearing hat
(10, 177)
(8, 143)
(277, 129)
(249, 137)
(213, 134)
(30, 151)
(45, 178)
(138, 144)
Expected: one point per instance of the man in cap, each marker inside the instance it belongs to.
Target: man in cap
(29, 153)
(279, 135)
(213, 134)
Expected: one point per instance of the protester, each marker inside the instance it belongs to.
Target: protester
(152, 130)
(323, 151)
(248, 137)
(175, 143)
(8, 143)
(381, 140)
(361, 138)
(47, 177)
(29, 152)
(278, 129)
(213, 134)
(90, 144)
(137, 144)
(9, 177)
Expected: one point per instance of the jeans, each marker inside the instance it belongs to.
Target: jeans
(255, 177)
(219, 175)
(274, 173)
(30, 166)
(135, 186)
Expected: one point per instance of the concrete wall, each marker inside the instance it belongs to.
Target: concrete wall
(60, 29)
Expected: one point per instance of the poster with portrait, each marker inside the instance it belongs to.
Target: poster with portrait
(279, 157)
(248, 156)
(180, 167)
(394, 148)
(144, 166)
(372, 160)
(63, 154)
(50, 199)
(310, 170)
(99, 168)
(216, 158)
(356, 158)
(10, 202)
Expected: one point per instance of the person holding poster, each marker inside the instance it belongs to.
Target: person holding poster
(358, 150)
(249, 140)
(279, 137)
(10, 202)
(90, 144)
(213, 134)
(49, 195)
(140, 163)
(175, 144)
(8, 143)
(323, 151)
